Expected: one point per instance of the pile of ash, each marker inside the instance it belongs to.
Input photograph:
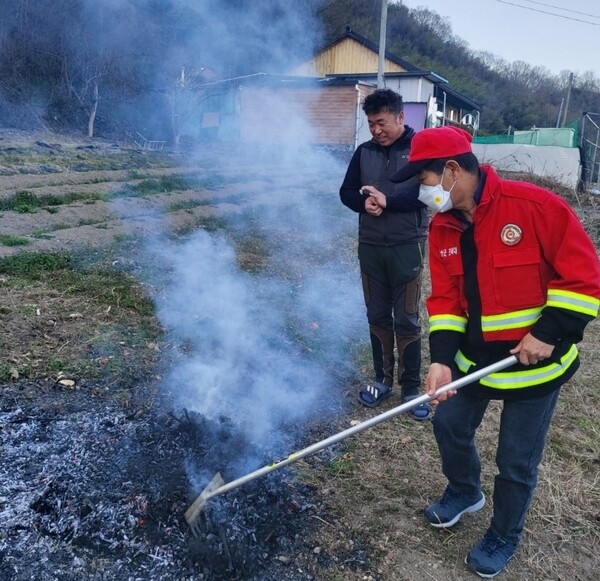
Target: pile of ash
(91, 491)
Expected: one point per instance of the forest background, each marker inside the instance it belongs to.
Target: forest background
(110, 68)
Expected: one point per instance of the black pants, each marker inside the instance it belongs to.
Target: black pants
(391, 277)
(524, 426)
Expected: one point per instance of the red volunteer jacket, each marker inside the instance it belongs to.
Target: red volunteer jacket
(537, 271)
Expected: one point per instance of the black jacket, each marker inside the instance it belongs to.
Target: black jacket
(405, 219)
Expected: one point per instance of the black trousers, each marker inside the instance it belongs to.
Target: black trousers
(391, 278)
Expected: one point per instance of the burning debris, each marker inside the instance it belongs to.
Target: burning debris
(86, 491)
(243, 531)
(91, 490)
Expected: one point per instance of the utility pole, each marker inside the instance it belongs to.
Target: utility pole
(568, 99)
(562, 103)
(382, 35)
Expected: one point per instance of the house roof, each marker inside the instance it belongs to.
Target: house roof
(338, 80)
(457, 97)
(349, 33)
(412, 71)
(271, 79)
(429, 75)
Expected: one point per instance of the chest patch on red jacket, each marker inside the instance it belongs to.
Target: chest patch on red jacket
(511, 234)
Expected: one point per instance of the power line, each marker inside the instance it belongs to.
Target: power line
(561, 8)
(550, 13)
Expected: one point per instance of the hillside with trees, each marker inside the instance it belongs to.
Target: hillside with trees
(112, 67)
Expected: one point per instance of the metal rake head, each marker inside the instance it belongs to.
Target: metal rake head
(192, 515)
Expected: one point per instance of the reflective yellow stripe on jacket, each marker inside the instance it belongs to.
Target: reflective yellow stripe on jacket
(511, 320)
(447, 323)
(526, 318)
(573, 302)
(524, 378)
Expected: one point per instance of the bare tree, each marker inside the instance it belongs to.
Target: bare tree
(83, 85)
(97, 54)
(588, 82)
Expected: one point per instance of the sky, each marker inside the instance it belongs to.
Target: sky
(524, 30)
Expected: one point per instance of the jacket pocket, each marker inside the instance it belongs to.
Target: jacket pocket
(456, 271)
(516, 278)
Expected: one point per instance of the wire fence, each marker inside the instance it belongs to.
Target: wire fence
(589, 143)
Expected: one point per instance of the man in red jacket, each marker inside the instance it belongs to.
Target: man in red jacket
(512, 271)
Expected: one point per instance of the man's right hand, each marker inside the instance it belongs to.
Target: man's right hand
(376, 202)
(375, 194)
(372, 207)
(438, 376)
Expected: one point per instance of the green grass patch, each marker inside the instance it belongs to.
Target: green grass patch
(133, 174)
(589, 424)
(70, 197)
(90, 222)
(212, 223)
(122, 238)
(112, 289)
(34, 265)
(174, 183)
(169, 183)
(28, 310)
(344, 465)
(208, 223)
(91, 161)
(83, 159)
(26, 202)
(8, 240)
(103, 320)
(184, 205)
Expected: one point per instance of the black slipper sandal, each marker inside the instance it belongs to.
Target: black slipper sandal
(373, 395)
(421, 412)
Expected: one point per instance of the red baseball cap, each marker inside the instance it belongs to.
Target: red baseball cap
(433, 143)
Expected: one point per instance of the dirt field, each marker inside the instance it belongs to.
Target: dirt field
(99, 456)
(39, 165)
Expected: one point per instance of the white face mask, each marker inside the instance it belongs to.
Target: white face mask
(436, 197)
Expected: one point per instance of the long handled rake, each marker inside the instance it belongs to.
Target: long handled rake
(217, 485)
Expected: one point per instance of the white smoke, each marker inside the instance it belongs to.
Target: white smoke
(269, 348)
(242, 362)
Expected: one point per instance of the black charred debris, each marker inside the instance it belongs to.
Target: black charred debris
(94, 492)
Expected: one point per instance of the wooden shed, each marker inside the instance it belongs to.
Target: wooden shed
(351, 54)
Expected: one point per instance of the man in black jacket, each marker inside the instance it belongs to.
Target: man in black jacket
(391, 240)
